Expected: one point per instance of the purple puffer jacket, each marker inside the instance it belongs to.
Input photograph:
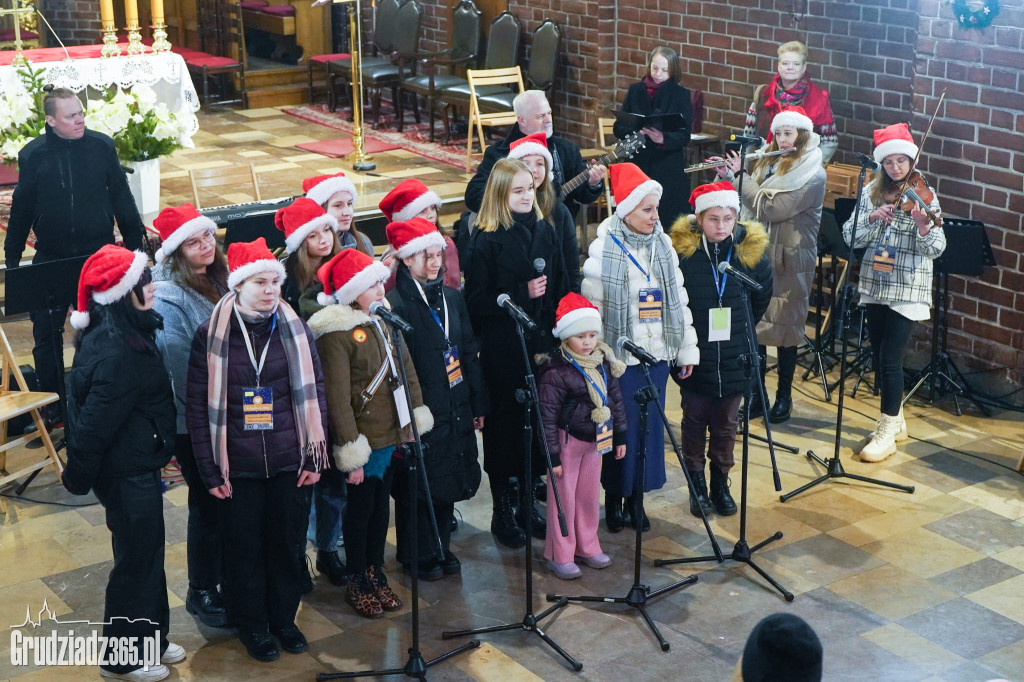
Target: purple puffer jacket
(251, 454)
(565, 404)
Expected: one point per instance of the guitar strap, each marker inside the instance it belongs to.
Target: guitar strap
(557, 163)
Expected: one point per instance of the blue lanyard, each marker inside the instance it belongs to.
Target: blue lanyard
(630, 256)
(600, 393)
(444, 302)
(719, 283)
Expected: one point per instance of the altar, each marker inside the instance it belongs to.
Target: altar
(164, 72)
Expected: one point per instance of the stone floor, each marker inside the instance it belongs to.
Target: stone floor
(922, 586)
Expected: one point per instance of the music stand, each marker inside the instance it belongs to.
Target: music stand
(51, 287)
(967, 253)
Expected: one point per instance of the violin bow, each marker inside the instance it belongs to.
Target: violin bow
(924, 138)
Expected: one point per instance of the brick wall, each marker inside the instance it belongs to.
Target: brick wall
(76, 22)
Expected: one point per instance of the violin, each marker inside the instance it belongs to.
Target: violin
(914, 191)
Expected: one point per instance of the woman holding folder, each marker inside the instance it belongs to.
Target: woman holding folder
(664, 157)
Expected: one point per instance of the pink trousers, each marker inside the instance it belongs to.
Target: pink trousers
(579, 488)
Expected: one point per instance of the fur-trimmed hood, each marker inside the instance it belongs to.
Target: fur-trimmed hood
(338, 317)
(750, 238)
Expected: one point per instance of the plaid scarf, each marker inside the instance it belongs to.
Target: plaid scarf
(619, 299)
(591, 367)
(305, 402)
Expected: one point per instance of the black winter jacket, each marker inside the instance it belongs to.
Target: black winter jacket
(720, 372)
(568, 164)
(69, 192)
(251, 454)
(125, 423)
(450, 447)
(565, 404)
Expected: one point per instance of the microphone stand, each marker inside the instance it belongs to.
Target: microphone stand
(528, 398)
(639, 594)
(743, 552)
(833, 466)
(415, 666)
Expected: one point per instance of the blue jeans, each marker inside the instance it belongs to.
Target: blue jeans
(329, 499)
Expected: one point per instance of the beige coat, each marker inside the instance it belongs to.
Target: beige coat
(792, 220)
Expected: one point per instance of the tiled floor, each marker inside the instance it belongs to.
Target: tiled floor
(923, 586)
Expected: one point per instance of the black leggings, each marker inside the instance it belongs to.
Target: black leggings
(366, 520)
(888, 332)
(787, 365)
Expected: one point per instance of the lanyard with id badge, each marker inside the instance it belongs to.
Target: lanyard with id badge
(257, 401)
(604, 429)
(720, 318)
(650, 298)
(397, 390)
(884, 259)
(452, 364)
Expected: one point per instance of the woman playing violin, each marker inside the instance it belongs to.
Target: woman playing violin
(896, 272)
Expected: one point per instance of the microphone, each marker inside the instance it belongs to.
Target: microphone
(638, 352)
(538, 265)
(67, 57)
(517, 313)
(867, 162)
(379, 309)
(747, 281)
(747, 139)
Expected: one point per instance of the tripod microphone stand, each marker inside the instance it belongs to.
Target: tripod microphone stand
(833, 466)
(530, 622)
(639, 594)
(743, 552)
(415, 666)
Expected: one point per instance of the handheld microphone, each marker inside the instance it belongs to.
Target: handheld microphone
(379, 309)
(867, 162)
(517, 313)
(638, 352)
(538, 265)
(747, 281)
(747, 139)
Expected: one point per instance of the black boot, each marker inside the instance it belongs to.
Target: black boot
(540, 527)
(207, 606)
(503, 520)
(645, 523)
(329, 564)
(613, 513)
(783, 406)
(756, 410)
(720, 498)
(540, 489)
(260, 645)
(701, 501)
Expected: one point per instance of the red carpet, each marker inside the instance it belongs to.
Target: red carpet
(342, 146)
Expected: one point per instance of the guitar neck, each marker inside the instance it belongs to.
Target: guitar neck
(573, 183)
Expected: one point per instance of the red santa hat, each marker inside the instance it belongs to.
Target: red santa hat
(715, 195)
(894, 139)
(347, 275)
(407, 200)
(246, 259)
(176, 224)
(323, 187)
(533, 144)
(575, 315)
(630, 185)
(107, 276)
(411, 236)
(794, 117)
(299, 219)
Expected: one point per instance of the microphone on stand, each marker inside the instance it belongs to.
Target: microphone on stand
(67, 56)
(517, 313)
(379, 309)
(638, 352)
(747, 139)
(867, 162)
(747, 281)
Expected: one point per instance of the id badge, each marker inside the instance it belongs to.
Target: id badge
(453, 367)
(650, 306)
(884, 260)
(402, 406)
(604, 437)
(258, 408)
(719, 324)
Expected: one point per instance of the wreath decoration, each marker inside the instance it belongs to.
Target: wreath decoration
(975, 17)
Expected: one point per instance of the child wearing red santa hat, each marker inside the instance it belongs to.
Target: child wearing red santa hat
(412, 199)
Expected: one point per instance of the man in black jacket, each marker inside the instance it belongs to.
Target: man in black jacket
(533, 115)
(70, 190)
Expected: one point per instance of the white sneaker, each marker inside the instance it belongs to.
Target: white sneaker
(883, 441)
(175, 653)
(902, 435)
(154, 674)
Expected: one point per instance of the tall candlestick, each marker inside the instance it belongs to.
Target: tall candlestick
(157, 9)
(131, 13)
(107, 13)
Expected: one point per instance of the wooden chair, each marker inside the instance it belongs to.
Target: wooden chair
(485, 78)
(382, 47)
(220, 177)
(222, 45)
(13, 403)
(604, 134)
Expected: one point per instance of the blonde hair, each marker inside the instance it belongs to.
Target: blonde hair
(544, 196)
(494, 210)
(794, 46)
(786, 161)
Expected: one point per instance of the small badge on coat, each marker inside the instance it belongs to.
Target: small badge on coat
(359, 335)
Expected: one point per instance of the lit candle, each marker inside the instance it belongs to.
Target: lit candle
(131, 12)
(157, 9)
(107, 14)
